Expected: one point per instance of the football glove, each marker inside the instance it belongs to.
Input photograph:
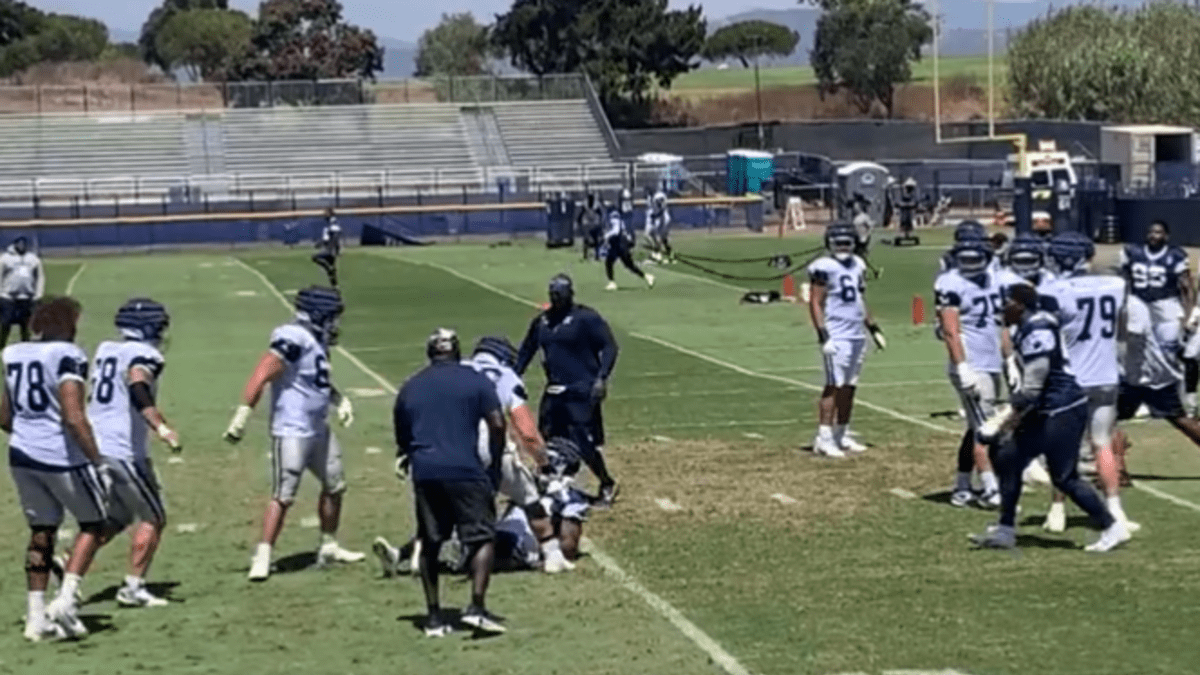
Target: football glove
(168, 435)
(1012, 373)
(1193, 321)
(345, 412)
(967, 379)
(877, 335)
(402, 467)
(599, 390)
(237, 426)
(992, 428)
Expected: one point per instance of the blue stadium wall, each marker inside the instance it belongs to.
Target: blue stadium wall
(214, 228)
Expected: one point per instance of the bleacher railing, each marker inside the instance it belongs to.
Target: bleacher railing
(108, 98)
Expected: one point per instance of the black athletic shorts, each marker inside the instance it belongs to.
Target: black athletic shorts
(15, 312)
(442, 506)
(1163, 402)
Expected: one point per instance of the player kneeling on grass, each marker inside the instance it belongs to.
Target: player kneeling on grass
(123, 411)
(1048, 415)
(297, 368)
(55, 462)
(838, 307)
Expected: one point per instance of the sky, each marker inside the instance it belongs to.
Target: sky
(399, 19)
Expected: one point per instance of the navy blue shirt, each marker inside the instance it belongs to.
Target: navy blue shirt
(578, 348)
(1153, 276)
(437, 418)
(1038, 338)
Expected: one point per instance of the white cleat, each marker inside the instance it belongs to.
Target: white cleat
(962, 498)
(42, 631)
(1035, 474)
(650, 280)
(1114, 536)
(850, 445)
(389, 556)
(332, 553)
(612, 286)
(260, 564)
(1056, 520)
(139, 597)
(989, 500)
(64, 615)
(1131, 526)
(827, 449)
(556, 563)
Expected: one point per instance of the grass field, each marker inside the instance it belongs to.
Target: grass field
(788, 563)
(736, 78)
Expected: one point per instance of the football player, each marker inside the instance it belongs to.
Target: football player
(618, 244)
(1025, 259)
(658, 227)
(55, 461)
(968, 299)
(297, 367)
(1089, 308)
(123, 411)
(1048, 415)
(330, 247)
(1158, 275)
(838, 309)
(967, 229)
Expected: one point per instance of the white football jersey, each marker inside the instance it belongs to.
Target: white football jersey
(33, 372)
(979, 303)
(845, 283)
(300, 396)
(1089, 307)
(509, 387)
(121, 431)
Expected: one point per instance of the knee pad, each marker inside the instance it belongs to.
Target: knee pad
(38, 557)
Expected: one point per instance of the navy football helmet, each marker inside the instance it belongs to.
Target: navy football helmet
(1026, 255)
(562, 291)
(142, 319)
(968, 230)
(1071, 251)
(972, 256)
(841, 239)
(499, 347)
(321, 308)
(563, 459)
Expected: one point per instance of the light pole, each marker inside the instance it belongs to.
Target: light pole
(758, 91)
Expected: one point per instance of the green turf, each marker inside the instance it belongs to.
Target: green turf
(738, 78)
(849, 578)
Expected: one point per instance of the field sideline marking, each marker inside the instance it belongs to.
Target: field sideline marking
(722, 658)
(1179, 501)
(75, 277)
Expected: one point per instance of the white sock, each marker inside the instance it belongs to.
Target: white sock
(990, 484)
(1189, 402)
(264, 550)
(839, 433)
(328, 539)
(70, 585)
(1114, 507)
(551, 548)
(825, 433)
(133, 582)
(962, 481)
(1058, 508)
(36, 608)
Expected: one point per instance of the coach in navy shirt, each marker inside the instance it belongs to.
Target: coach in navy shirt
(437, 420)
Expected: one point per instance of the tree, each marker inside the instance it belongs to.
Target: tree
(625, 46)
(17, 20)
(1088, 63)
(456, 46)
(204, 42)
(748, 41)
(867, 47)
(307, 40)
(53, 38)
(148, 40)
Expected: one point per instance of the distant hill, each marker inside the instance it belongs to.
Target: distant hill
(399, 58)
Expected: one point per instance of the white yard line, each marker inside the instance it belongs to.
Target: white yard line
(1179, 501)
(75, 277)
(698, 637)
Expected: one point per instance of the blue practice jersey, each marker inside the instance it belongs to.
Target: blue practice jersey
(1153, 276)
(1038, 338)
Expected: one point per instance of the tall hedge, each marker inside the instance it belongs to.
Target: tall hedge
(1103, 64)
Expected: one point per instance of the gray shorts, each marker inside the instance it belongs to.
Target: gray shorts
(136, 493)
(47, 495)
(291, 455)
(1102, 414)
(979, 408)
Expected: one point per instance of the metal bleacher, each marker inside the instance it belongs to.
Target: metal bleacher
(308, 150)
